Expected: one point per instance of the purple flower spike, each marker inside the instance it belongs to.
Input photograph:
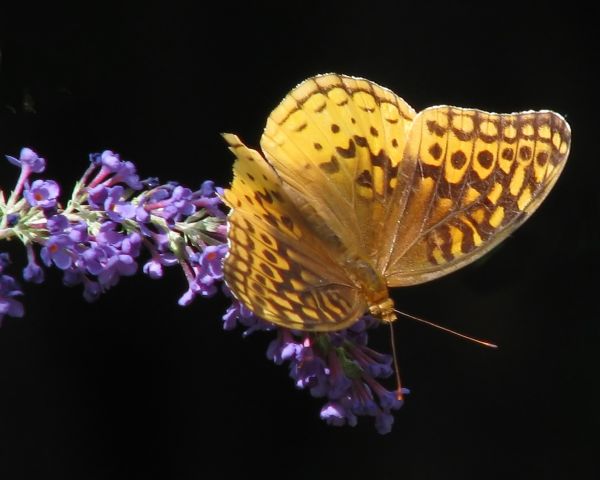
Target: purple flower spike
(28, 159)
(42, 193)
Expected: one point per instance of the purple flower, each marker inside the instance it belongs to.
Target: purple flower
(131, 244)
(4, 261)
(334, 413)
(111, 164)
(207, 189)
(375, 363)
(383, 422)
(207, 197)
(171, 202)
(116, 208)
(57, 224)
(108, 235)
(42, 193)
(238, 314)
(126, 174)
(110, 200)
(78, 232)
(32, 272)
(211, 261)
(310, 370)
(58, 250)
(112, 258)
(97, 195)
(339, 383)
(284, 347)
(106, 159)
(153, 268)
(108, 265)
(363, 401)
(179, 205)
(29, 160)
(204, 270)
(8, 305)
(91, 290)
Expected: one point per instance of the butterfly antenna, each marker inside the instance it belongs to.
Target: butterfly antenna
(399, 395)
(445, 329)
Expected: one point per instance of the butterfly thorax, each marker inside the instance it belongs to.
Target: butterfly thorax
(374, 288)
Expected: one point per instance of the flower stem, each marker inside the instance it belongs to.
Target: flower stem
(25, 172)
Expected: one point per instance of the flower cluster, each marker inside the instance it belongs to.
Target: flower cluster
(338, 366)
(112, 217)
(98, 236)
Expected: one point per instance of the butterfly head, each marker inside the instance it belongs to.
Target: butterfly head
(383, 310)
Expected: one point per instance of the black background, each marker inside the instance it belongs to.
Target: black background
(135, 386)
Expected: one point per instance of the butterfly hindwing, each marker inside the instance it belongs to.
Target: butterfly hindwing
(275, 265)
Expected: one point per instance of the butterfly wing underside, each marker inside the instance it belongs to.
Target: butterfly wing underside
(276, 265)
(477, 177)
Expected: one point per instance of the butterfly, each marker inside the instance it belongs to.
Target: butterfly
(354, 192)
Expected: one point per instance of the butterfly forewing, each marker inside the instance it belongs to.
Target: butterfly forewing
(477, 177)
(336, 143)
(275, 265)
